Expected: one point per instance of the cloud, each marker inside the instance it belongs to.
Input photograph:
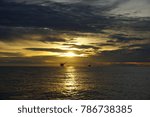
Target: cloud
(121, 38)
(53, 39)
(81, 46)
(54, 50)
(8, 34)
(41, 26)
(130, 8)
(133, 8)
(46, 49)
(77, 17)
(10, 54)
(126, 55)
(108, 43)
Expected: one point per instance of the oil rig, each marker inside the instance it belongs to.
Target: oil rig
(62, 64)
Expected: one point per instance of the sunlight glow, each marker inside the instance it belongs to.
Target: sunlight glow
(71, 54)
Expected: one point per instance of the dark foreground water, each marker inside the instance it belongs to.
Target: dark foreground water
(107, 82)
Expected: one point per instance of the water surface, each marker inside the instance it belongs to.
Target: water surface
(104, 82)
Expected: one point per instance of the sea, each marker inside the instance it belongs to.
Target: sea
(111, 82)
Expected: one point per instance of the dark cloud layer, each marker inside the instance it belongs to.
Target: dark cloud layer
(54, 50)
(47, 20)
(53, 39)
(46, 49)
(10, 54)
(123, 38)
(57, 16)
(79, 17)
(82, 46)
(122, 55)
(8, 33)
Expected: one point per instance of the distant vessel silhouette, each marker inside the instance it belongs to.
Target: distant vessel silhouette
(62, 64)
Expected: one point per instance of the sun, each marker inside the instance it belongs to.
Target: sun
(70, 54)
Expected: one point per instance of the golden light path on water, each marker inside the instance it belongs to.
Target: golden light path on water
(70, 84)
(65, 84)
(75, 83)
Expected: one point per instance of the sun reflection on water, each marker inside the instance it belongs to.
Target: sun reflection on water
(70, 83)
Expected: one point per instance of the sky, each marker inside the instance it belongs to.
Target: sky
(48, 32)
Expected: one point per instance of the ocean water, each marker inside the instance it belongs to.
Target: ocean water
(68, 83)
